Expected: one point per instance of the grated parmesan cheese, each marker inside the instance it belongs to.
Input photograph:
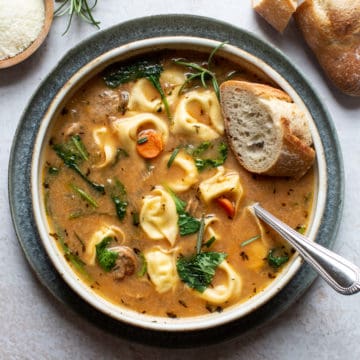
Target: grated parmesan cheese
(20, 23)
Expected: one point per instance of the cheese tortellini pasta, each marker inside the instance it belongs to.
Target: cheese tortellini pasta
(104, 232)
(161, 268)
(158, 216)
(127, 129)
(228, 289)
(198, 115)
(222, 183)
(189, 176)
(107, 145)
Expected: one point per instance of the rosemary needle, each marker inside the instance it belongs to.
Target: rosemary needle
(80, 8)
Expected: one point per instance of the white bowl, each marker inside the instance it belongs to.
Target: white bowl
(57, 258)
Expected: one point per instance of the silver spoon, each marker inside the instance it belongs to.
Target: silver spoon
(338, 272)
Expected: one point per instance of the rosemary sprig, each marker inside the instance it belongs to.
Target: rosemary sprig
(80, 8)
(203, 73)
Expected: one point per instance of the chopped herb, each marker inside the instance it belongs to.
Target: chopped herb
(200, 235)
(115, 76)
(202, 73)
(143, 268)
(203, 164)
(80, 147)
(301, 229)
(210, 242)
(142, 140)
(52, 170)
(118, 196)
(81, 241)
(249, 241)
(187, 224)
(106, 258)
(120, 153)
(173, 156)
(72, 159)
(200, 149)
(198, 270)
(84, 195)
(276, 260)
(135, 218)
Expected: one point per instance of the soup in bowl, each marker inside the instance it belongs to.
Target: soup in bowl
(140, 202)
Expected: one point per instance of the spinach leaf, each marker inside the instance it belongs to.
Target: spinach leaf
(199, 270)
(203, 164)
(187, 224)
(118, 75)
(105, 257)
(277, 257)
(84, 195)
(72, 159)
(118, 197)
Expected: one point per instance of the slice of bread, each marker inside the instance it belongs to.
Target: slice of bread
(276, 12)
(267, 132)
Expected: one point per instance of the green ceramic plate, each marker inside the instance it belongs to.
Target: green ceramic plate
(20, 165)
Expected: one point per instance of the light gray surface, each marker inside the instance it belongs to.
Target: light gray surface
(322, 324)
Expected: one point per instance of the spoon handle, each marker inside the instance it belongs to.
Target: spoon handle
(338, 272)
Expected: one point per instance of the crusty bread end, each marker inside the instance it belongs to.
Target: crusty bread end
(267, 132)
(276, 12)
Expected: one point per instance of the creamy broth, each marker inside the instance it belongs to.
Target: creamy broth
(75, 220)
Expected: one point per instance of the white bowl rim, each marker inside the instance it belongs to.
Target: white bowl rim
(130, 316)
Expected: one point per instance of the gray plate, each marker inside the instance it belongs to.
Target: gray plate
(20, 164)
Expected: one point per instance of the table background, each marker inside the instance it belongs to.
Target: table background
(34, 325)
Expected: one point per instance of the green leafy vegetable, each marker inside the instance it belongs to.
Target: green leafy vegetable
(277, 257)
(198, 271)
(135, 218)
(84, 195)
(301, 229)
(187, 224)
(200, 235)
(72, 158)
(80, 147)
(202, 73)
(120, 153)
(80, 8)
(118, 196)
(105, 257)
(172, 157)
(143, 268)
(52, 170)
(115, 76)
(210, 242)
(142, 140)
(203, 164)
(250, 240)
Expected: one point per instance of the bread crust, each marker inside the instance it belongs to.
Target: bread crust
(332, 30)
(294, 158)
(276, 12)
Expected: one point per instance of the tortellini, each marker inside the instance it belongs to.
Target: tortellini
(225, 291)
(104, 140)
(161, 268)
(144, 97)
(222, 183)
(193, 110)
(209, 231)
(190, 176)
(105, 231)
(158, 216)
(127, 129)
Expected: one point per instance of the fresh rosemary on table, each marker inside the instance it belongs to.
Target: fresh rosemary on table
(80, 8)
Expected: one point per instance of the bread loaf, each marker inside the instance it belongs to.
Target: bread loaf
(276, 12)
(332, 30)
(267, 132)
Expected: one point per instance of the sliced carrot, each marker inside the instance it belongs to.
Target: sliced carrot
(226, 205)
(149, 143)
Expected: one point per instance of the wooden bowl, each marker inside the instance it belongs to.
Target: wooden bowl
(49, 11)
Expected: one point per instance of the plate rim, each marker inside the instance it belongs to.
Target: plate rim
(192, 25)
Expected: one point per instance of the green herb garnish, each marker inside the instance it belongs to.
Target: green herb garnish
(84, 195)
(52, 170)
(301, 229)
(250, 240)
(80, 147)
(105, 257)
(115, 76)
(172, 157)
(198, 271)
(277, 257)
(203, 164)
(120, 153)
(143, 268)
(200, 235)
(142, 140)
(118, 196)
(79, 8)
(187, 224)
(210, 242)
(202, 73)
(72, 159)
(135, 218)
